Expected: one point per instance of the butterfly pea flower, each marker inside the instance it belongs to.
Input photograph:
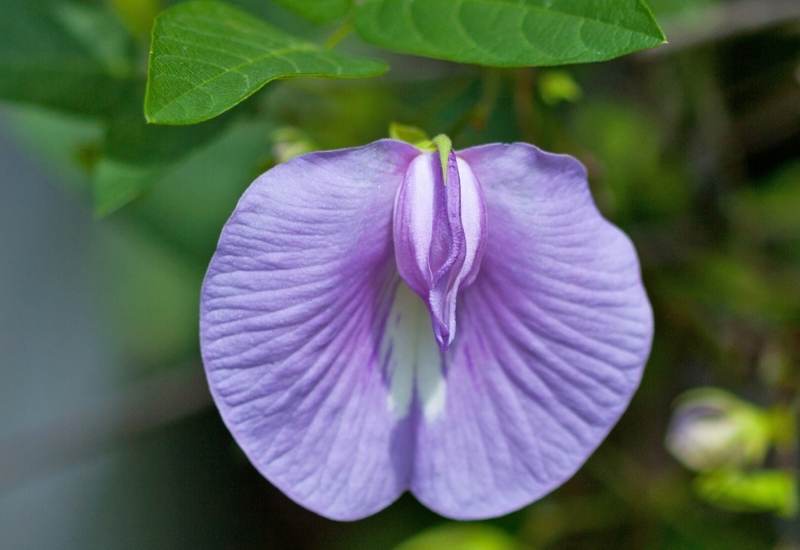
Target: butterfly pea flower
(462, 325)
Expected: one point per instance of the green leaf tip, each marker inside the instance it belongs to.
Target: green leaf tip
(206, 57)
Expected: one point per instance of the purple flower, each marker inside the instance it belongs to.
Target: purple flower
(376, 321)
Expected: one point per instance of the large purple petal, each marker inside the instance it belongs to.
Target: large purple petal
(293, 311)
(553, 336)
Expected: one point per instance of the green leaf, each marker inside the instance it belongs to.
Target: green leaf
(409, 134)
(62, 55)
(116, 183)
(207, 57)
(136, 154)
(503, 33)
(192, 198)
(319, 11)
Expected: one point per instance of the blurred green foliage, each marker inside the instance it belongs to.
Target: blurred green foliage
(320, 11)
(765, 490)
(47, 42)
(693, 150)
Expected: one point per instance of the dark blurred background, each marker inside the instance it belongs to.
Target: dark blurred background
(109, 439)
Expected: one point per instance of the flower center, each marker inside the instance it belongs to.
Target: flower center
(439, 235)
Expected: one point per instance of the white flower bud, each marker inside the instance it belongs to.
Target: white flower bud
(712, 429)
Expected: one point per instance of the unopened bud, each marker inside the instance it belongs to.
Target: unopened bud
(712, 429)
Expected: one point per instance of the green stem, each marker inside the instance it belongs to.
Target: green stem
(481, 112)
(340, 33)
(524, 103)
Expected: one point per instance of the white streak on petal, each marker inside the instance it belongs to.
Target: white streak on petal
(412, 355)
(431, 386)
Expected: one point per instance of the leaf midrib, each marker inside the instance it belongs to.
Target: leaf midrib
(534, 7)
(235, 68)
(568, 14)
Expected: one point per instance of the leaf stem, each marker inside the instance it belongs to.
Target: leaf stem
(480, 113)
(524, 103)
(340, 33)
